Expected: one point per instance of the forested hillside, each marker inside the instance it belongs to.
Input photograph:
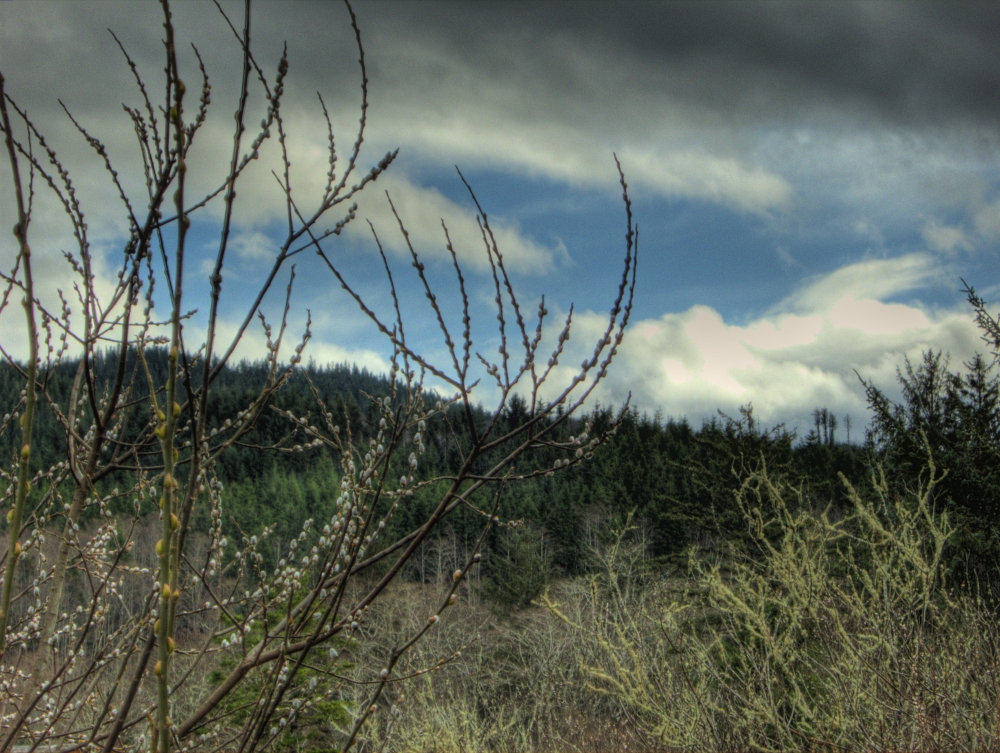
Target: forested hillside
(676, 480)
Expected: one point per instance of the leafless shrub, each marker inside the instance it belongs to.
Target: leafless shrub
(843, 635)
(517, 685)
(136, 631)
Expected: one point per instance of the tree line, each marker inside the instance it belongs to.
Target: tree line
(678, 480)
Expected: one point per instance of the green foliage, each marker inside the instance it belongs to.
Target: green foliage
(312, 715)
(677, 479)
(958, 416)
(519, 567)
(842, 635)
(280, 498)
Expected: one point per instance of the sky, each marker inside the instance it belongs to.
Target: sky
(812, 181)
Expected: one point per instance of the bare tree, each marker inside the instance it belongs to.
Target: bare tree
(79, 669)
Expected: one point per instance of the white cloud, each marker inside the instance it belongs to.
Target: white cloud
(788, 362)
(487, 135)
(254, 246)
(701, 175)
(948, 239)
(872, 279)
(987, 219)
(423, 209)
(784, 379)
(253, 344)
(261, 204)
(331, 353)
(49, 236)
(786, 257)
(522, 118)
(867, 229)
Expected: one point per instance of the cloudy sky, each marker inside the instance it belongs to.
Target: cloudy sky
(811, 180)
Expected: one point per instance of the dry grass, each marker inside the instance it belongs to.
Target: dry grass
(838, 636)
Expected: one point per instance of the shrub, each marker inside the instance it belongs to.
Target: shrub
(841, 635)
(111, 630)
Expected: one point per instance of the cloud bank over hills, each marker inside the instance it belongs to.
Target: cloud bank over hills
(812, 180)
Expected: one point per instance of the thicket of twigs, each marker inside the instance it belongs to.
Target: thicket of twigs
(836, 633)
(127, 631)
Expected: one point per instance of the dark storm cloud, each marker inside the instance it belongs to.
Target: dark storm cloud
(907, 62)
(685, 91)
